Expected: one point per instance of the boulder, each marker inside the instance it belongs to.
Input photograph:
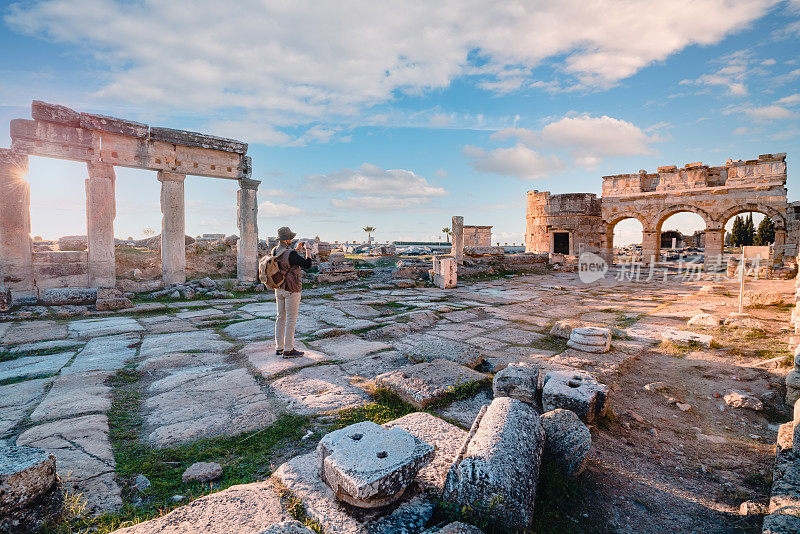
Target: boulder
(713, 289)
(761, 298)
(141, 483)
(563, 328)
(743, 320)
(567, 441)
(207, 282)
(424, 383)
(60, 296)
(230, 240)
(26, 473)
(704, 319)
(108, 293)
(202, 472)
(73, 242)
(577, 391)
(369, 466)
(518, 381)
(792, 387)
(291, 526)
(736, 399)
(684, 338)
(497, 469)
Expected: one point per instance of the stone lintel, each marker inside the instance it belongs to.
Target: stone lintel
(166, 176)
(185, 137)
(50, 139)
(103, 123)
(45, 111)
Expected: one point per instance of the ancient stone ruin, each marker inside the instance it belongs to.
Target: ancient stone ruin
(103, 143)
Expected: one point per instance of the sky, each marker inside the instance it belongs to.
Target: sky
(399, 115)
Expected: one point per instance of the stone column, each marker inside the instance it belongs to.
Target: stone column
(651, 246)
(100, 213)
(715, 243)
(458, 239)
(247, 218)
(780, 245)
(173, 228)
(16, 263)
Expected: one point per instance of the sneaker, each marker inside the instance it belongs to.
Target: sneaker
(278, 352)
(294, 353)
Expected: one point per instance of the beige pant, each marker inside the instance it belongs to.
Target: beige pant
(288, 308)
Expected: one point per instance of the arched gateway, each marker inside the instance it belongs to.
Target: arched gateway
(714, 193)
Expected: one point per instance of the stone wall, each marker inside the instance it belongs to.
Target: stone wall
(477, 236)
(574, 214)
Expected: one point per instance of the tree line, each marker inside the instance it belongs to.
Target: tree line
(744, 233)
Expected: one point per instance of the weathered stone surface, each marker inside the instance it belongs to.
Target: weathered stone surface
(74, 394)
(104, 327)
(410, 516)
(262, 357)
(792, 387)
(288, 527)
(44, 111)
(184, 137)
(253, 330)
(590, 339)
(34, 365)
(761, 298)
(456, 528)
(202, 472)
(743, 320)
(113, 304)
(33, 331)
(245, 508)
(567, 440)
(713, 289)
(737, 399)
(67, 295)
(684, 338)
(424, 383)
(5, 299)
(370, 466)
(16, 400)
(577, 391)
(704, 319)
(425, 347)
(780, 524)
(199, 341)
(113, 125)
(26, 473)
(498, 468)
(519, 381)
(316, 390)
(563, 328)
(349, 347)
(105, 353)
(375, 364)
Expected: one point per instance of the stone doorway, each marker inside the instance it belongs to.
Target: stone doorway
(561, 242)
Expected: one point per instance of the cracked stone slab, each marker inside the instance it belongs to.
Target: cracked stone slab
(516, 336)
(206, 313)
(261, 309)
(17, 399)
(320, 389)
(32, 331)
(198, 341)
(371, 366)
(165, 324)
(54, 345)
(105, 353)
(263, 358)
(334, 317)
(84, 458)
(252, 330)
(425, 347)
(349, 347)
(34, 365)
(175, 360)
(464, 411)
(73, 395)
(457, 331)
(360, 311)
(194, 402)
(104, 327)
(424, 383)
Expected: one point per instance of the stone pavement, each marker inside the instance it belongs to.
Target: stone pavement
(208, 368)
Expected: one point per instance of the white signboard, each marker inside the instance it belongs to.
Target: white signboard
(753, 253)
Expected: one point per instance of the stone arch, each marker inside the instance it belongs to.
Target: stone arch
(607, 247)
(669, 211)
(777, 217)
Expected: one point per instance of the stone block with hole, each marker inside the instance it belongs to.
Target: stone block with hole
(369, 466)
(576, 391)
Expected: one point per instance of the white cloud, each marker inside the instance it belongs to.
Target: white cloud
(588, 139)
(736, 69)
(789, 100)
(441, 173)
(377, 188)
(741, 130)
(770, 113)
(282, 64)
(271, 210)
(519, 161)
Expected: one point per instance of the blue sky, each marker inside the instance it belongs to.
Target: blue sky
(401, 114)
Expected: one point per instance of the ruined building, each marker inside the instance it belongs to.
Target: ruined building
(580, 222)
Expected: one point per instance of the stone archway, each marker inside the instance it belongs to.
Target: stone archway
(778, 219)
(607, 239)
(668, 212)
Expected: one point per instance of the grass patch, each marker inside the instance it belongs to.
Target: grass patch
(18, 379)
(296, 509)
(244, 458)
(550, 343)
(386, 406)
(460, 392)
(7, 355)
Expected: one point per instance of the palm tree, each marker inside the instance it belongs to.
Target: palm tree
(446, 231)
(369, 230)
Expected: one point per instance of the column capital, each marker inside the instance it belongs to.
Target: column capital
(246, 183)
(98, 170)
(166, 176)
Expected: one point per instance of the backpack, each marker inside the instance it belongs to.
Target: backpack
(269, 272)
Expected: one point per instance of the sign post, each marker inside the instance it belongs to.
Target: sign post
(756, 254)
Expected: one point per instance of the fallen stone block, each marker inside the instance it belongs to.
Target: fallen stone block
(713, 289)
(498, 468)
(369, 466)
(202, 472)
(704, 319)
(577, 391)
(792, 387)
(424, 383)
(113, 304)
(761, 298)
(60, 296)
(684, 338)
(567, 441)
(288, 527)
(743, 320)
(590, 339)
(563, 328)
(184, 137)
(518, 381)
(26, 473)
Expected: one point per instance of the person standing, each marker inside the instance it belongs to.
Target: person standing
(287, 296)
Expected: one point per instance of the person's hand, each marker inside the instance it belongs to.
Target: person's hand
(300, 246)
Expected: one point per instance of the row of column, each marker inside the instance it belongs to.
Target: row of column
(16, 256)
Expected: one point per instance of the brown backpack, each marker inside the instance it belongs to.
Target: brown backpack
(270, 273)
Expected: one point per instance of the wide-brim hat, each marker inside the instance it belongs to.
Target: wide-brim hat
(285, 234)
